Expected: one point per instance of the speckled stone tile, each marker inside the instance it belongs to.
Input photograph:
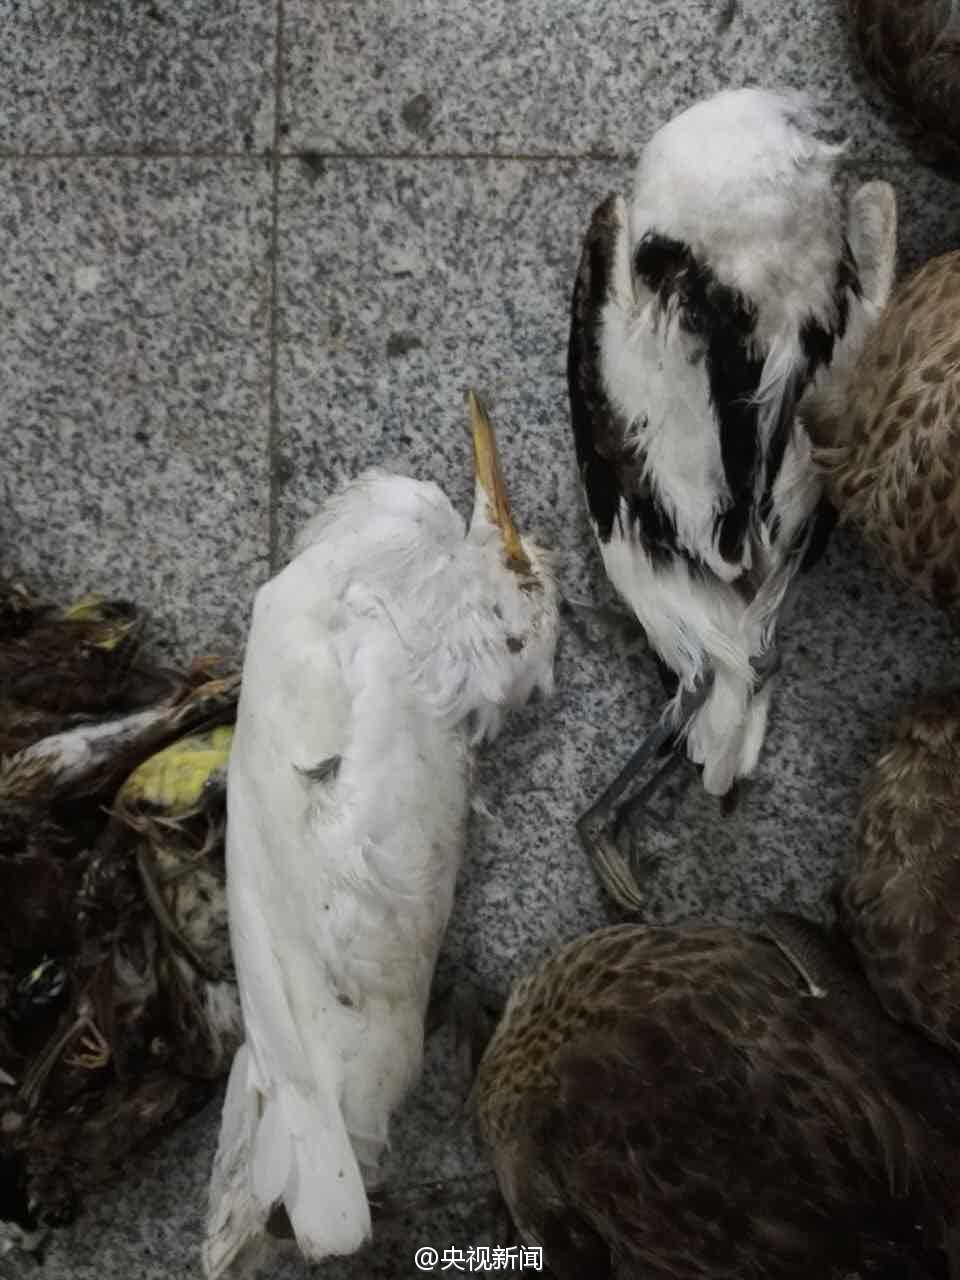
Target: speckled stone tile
(148, 1225)
(136, 74)
(135, 393)
(539, 76)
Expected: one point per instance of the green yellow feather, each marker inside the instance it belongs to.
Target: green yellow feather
(174, 779)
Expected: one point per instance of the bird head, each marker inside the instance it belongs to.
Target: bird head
(516, 613)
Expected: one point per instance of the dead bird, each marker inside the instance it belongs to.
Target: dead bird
(174, 806)
(912, 48)
(118, 1004)
(704, 312)
(61, 667)
(900, 894)
(394, 642)
(77, 659)
(713, 1103)
(91, 759)
(19, 607)
(888, 436)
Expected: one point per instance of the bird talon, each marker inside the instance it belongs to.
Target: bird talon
(612, 869)
(95, 1051)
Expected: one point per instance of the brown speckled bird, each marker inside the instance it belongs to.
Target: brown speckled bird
(900, 895)
(87, 761)
(118, 1005)
(19, 607)
(717, 1104)
(889, 436)
(62, 666)
(912, 47)
(77, 659)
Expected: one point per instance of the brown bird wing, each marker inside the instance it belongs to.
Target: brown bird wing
(898, 475)
(702, 1120)
(900, 897)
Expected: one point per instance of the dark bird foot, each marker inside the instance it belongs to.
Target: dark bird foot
(601, 826)
(472, 1016)
(730, 803)
(620, 620)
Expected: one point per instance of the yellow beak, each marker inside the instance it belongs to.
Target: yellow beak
(489, 475)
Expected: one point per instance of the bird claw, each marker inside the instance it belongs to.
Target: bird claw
(207, 666)
(95, 1050)
(613, 869)
(189, 863)
(602, 824)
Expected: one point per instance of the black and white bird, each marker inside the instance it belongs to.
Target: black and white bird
(393, 642)
(705, 310)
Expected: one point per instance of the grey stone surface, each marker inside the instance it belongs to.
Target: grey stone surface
(534, 76)
(136, 74)
(135, 393)
(138, 454)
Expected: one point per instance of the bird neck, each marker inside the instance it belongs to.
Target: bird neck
(456, 637)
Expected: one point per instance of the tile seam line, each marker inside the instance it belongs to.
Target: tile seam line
(310, 154)
(526, 157)
(134, 154)
(273, 421)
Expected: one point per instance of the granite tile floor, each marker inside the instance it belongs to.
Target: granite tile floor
(248, 247)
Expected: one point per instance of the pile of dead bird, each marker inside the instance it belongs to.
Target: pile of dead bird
(118, 1006)
(666, 1103)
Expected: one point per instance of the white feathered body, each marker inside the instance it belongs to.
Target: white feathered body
(704, 311)
(341, 877)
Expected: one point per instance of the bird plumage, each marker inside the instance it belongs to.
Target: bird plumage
(703, 312)
(90, 759)
(392, 641)
(118, 1010)
(900, 891)
(912, 48)
(888, 434)
(682, 1104)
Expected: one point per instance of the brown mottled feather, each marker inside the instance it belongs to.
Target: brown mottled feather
(117, 1004)
(912, 48)
(71, 664)
(900, 896)
(890, 439)
(673, 1104)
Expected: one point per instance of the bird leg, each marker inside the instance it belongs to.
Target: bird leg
(472, 1016)
(97, 1055)
(191, 861)
(765, 665)
(637, 804)
(618, 619)
(593, 827)
(96, 1050)
(165, 920)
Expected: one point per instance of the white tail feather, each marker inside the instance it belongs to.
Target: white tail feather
(324, 1197)
(234, 1218)
(716, 734)
(286, 1148)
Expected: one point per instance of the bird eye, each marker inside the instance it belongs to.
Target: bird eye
(514, 644)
